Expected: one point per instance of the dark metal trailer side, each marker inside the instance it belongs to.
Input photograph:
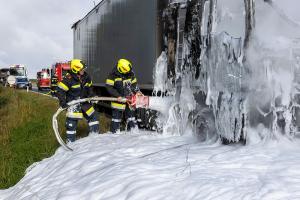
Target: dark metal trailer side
(185, 29)
(115, 29)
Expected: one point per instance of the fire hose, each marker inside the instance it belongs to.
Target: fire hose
(54, 119)
(134, 101)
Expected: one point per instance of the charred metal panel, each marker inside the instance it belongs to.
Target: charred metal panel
(117, 29)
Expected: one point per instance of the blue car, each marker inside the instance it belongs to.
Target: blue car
(23, 83)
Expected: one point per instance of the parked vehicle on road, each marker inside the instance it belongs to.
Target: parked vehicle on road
(43, 79)
(23, 83)
(15, 72)
(58, 71)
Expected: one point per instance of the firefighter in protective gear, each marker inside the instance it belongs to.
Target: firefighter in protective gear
(122, 83)
(77, 85)
(53, 86)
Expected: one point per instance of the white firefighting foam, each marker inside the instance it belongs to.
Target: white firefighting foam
(161, 104)
(144, 165)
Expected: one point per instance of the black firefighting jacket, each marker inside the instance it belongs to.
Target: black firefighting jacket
(74, 87)
(54, 81)
(121, 85)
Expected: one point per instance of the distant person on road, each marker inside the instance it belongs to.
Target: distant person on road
(121, 83)
(77, 85)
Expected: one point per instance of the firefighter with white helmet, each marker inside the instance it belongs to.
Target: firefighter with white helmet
(122, 83)
(77, 85)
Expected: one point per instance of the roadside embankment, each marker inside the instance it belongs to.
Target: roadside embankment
(26, 134)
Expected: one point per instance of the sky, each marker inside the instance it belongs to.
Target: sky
(38, 33)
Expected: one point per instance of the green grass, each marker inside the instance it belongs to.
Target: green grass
(26, 134)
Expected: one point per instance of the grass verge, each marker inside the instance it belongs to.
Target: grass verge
(26, 134)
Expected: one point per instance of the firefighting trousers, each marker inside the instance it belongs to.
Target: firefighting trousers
(76, 113)
(117, 115)
(53, 90)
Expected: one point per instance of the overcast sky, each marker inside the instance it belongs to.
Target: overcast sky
(38, 33)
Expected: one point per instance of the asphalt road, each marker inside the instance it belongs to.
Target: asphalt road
(44, 91)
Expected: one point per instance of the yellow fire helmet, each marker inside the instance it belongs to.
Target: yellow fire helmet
(124, 66)
(77, 65)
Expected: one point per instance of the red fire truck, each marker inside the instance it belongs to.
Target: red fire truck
(43, 79)
(58, 71)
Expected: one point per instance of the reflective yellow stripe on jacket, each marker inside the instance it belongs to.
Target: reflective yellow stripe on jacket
(76, 86)
(134, 81)
(75, 115)
(119, 106)
(62, 86)
(110, 82)
(88, 84)
(90, 111)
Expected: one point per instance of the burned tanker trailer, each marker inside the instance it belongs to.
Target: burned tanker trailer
(240, 59)
(214, 57)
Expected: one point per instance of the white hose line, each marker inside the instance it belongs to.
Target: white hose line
(54, 119)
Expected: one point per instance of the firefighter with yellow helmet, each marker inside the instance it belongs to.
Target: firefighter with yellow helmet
(122, 83)
(77, 85)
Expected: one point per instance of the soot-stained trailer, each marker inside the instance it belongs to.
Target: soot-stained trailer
(117, 29)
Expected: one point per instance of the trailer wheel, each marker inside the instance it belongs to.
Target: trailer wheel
(204, 124)
(146, 118)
